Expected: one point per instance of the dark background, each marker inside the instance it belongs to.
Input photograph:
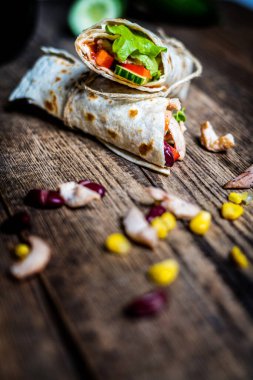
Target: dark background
(19, 18)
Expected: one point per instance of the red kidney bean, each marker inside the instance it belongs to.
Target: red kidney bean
(148, 304)
(169, 157)
(17, 223)
(54, 199)
(155, 211)
(93, 186)
(44, 198)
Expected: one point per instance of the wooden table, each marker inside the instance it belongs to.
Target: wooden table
(67, 322)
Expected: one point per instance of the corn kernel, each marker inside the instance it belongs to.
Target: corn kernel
(22, 250)
(164, 273)
(169, 220)
(231, 211)
(118, 243)
(239, 258)
(237, 197)
(200, 224)
(160, 227)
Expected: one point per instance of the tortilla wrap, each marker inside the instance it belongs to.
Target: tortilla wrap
(98, 31)
(178, 66)
(48, 83)
(56, 84)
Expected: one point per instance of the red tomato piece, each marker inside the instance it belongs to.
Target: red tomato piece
(175, 153)
(137, 69)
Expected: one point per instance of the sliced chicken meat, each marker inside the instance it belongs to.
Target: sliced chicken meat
(76, 195)
(212, 142)
(177, 137)
(177, 206)
(36, 260)
(138, 229)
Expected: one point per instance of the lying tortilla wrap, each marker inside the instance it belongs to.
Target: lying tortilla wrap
(50, 81)
(176, 65)
(56, 83)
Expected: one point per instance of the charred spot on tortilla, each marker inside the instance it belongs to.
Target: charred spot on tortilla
(92, 96)
(111, 133)
(133, 113)
(48, 105)
(51, 104)
(145, 148)
(64, 71)
(64, 62)
(57, 79)
(103, 119)
(89, 116)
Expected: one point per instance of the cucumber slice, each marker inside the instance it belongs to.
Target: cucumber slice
(130, 76)
(85, 13)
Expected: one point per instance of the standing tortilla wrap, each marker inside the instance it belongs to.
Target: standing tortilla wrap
(131, 55)
(123, 39)
(56, 83)
(184, 67)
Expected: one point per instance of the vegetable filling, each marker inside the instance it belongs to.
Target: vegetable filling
(170, 152)
(130, 55)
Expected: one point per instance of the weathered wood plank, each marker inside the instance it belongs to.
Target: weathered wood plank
(79, 273)
(31, 345)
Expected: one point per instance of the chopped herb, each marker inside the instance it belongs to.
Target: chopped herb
(180, 115)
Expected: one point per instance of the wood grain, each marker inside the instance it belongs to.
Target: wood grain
(70, 317)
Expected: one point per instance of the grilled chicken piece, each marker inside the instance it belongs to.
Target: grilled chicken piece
(36, 260)
(210, 140)
(177, 206)
(138, 229)
(76, 195)
(177, 137)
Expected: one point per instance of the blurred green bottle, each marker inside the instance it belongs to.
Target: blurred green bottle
(195, 12)
(85, 13)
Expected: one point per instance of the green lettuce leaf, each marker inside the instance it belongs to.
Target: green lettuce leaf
(149, 62)
(180, 115)
(129, 42)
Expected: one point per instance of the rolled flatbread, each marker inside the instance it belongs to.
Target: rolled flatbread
(56, 83)
(169, 69)
(49, 82)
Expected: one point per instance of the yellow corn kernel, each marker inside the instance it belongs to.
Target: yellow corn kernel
(169, 220)
(164, 273)
(160, 227)
(22, 250)
(200, 224)
(239, 258)
(237, 197)
(231, 211)
(118, 243)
